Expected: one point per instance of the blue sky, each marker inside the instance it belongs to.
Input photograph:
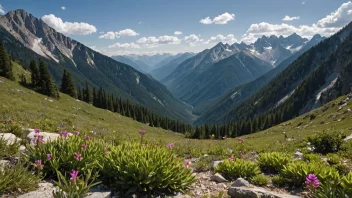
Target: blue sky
(149, 26)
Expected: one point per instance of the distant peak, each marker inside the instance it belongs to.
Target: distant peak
(316, 36)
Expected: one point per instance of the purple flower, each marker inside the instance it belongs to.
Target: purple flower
(77, 156)
(76, 133)
(312, 181)
(84, 147)
(49, 156)
(38, 164)
(106, 150)
(64, 133)
(142, 132)
(36, 131)
(74, 175)
(243, 155)
(171, 145)
(232, 158)
(40, 139)
(87, 138)
(187, 164)
(241, 140)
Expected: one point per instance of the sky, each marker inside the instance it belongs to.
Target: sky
(118, 27)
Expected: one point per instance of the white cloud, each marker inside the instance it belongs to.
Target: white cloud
(68, 27)
(125, 45)
(178, 33)
(113, 35)
(161, 40)
(230, 39)
(325, 26)
(303, 2)
(108, 35)
(349, 12)
(288, 18)
(221, 19)
(2, 11)
(192, 39)
(140, 22)
(63, 8)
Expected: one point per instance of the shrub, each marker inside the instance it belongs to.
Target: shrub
(15, 178)
(238, 168)
(12, 127)
(346, 149)
(343, 169)
(8, 150)
(346, 183)
(132, 168)
(260, 180)
(278, 181)
(333, 158)
(296, 172)
(326, 142)
(329, 190)
(311, 157)
(273, 162)
(62, 154)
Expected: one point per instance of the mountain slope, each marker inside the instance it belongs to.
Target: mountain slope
(170, 66)
(138, 65)
(212, 109)
(153, 61)
(299, 88)
(28, 38)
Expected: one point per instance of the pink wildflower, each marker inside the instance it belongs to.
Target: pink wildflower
(312, 181)
(106, 150)
(232, 158)
(76, 133)
(38, 164)
(84, 147)
(78, 156)
(187, 164)
(36, 131)
(49, 156)
(87, 138)
(40, 139)
(64, 133)
(74, 175)
(241, 140)
(171, 145)
(142, 132)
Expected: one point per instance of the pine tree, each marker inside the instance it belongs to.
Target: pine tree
(87, 95)
(46, 85)
(67, 85)
(5, 64)
(34, 74)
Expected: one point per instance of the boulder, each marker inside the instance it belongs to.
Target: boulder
(9, 138)
(46, 136)
(215, 164)
(256, 192)
(218, 178)
(45, 190)
(298, 154)
(103, 194)
(240, 182)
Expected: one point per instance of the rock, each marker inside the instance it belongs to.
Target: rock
(255, 192)
(215, 164)
(298, 154)
(22, 148)
(10, 138)
(348, 138)
(218, 178)
(240, 182)
(4, 163)
(106, 194)
(46, 136)
(45, 190)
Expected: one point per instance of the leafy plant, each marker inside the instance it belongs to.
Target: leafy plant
(326, 142)
(131, 168)
(234, 169)
(329, 190)
(260, 180)
(312, 157)
(12, 127)
(342, 169)
(8, 149)
(273, 162)
(333, 158)
(13, 178)
(296, 172)
(278, 181)
(346, 184)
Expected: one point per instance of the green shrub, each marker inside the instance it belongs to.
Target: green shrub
(12, 127)
(8, 150)
(326, 142)
(130, 168)
(296, 172)
(260, 180)
(202, 165)
(346, 183)
(346, 149)
(15, 178)
(273, 162)
(333, 159)
(312, 157)
(238, 168)
(343, 169)
(63, 157)
(278, 181)
(329, 190)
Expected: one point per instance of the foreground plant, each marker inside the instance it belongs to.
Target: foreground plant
(131, 168)
(234, 169)
(273, 162)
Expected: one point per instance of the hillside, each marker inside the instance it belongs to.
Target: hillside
(26, 38)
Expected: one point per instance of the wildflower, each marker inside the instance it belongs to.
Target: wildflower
(232, 158)
(49, 156)
(64, 133)
(84, 147)
(243, 155)
(38, 164)
(76, 133)
(187, 164)
(40, 139)
(106, 150)
(170, 145)
(74, 175)
(87, 138)
(241, 140)
(142, 132)
(312, 181)
(36, 131)
(78, 156)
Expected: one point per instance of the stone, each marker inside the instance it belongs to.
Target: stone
(256, 192)
(22, 148)
(45, 190)
(348, 138)
(215, 164)
(103, 194)
(240, 182)
(46, 136)
(298, 154)
(9, 138)
(4, 163)
(218, 178)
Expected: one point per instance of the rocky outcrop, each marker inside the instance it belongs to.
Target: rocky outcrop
(10, 138)
(218, 178)
(255, 192)
(46, 136)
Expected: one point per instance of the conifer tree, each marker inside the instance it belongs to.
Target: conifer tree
(46, 85)
(5, 64)
(87, 95)
(67, 85)
(34, 74)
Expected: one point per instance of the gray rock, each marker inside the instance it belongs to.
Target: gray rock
(298, 154)
(240, 182)
(255, 192)
(4, 163)
(45, 190)
(106, 194)
(46, 136)
(215, 164)
(9, 138)
(218, 178)
(22, 148)
(348, 138)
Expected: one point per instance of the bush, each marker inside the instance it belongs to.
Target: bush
(346, 183)
(343, 169)
(311, 157)
(326, 142)
(130, 168)
(8, 150)
(62, 154)
(273, 162)
(296, 172)
(278, 181)
(12, 127)
(15, 178)
(202, 165)
(333, 159)
(238, 168)
(260, 180)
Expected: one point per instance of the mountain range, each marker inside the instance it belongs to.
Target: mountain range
(29, 38)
